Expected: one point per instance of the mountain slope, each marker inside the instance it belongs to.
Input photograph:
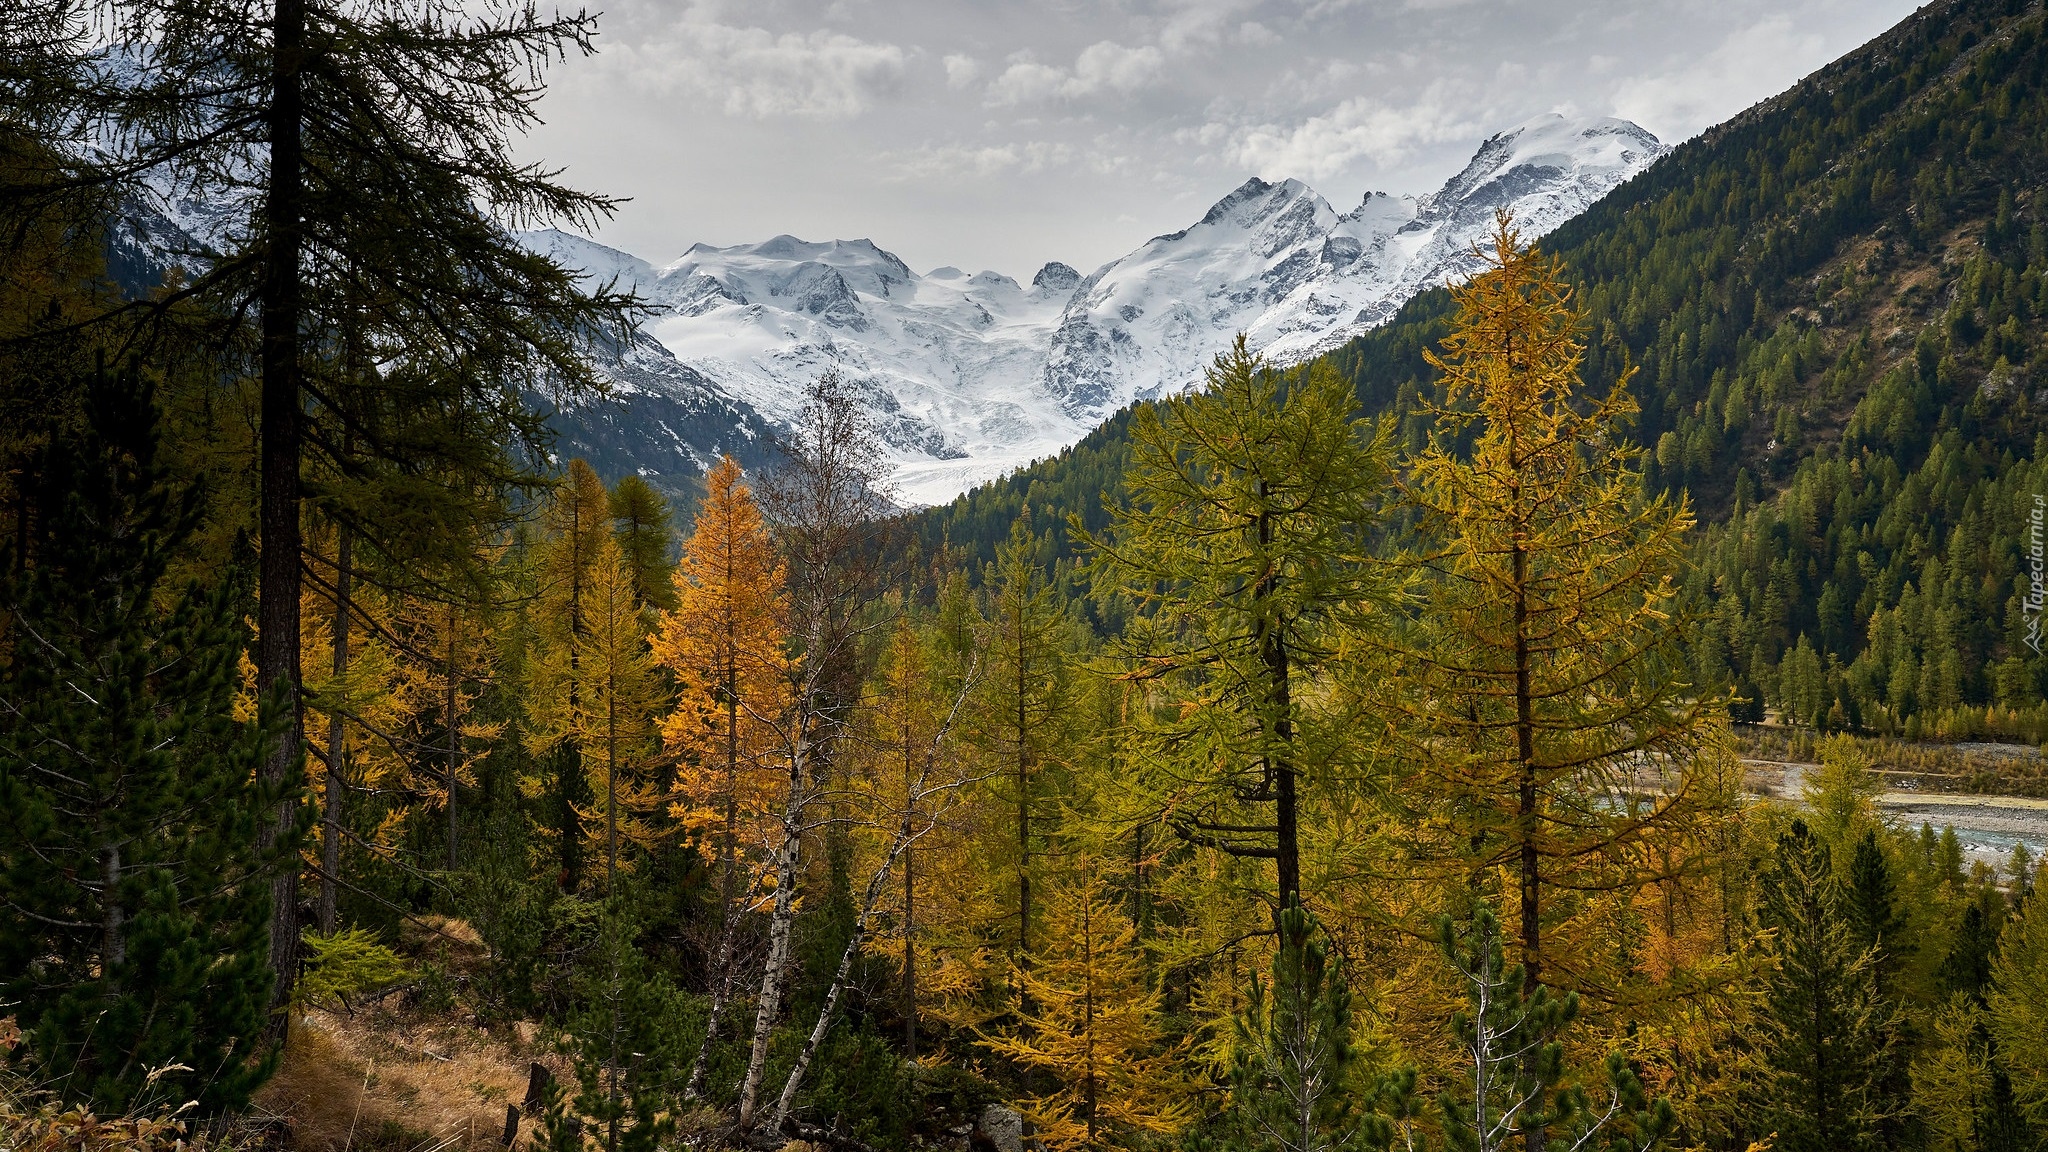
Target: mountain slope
(1275, 262)
(662, 420)
(1839, 305)
(971, 376)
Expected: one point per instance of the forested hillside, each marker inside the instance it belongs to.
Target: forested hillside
(1835, 307)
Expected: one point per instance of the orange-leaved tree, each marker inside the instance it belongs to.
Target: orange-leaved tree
(725, 642)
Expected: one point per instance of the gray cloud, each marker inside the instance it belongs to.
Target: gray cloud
(992, 134)
(1104, 66)
(753, 72)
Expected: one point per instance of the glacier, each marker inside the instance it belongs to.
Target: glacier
(971, 375)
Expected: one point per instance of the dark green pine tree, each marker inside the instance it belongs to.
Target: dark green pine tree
(1874, 913)
(1293, 1086)
(134, 898)
(1514, 1091)
(625, 1041)
(1830, 1036)
(1880, 927)
(640, 519)
(1967, 967)
(362, 161)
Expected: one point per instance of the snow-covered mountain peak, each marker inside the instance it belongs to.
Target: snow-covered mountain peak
(1255, 203)
(598, 263)
(767, 269)
(1546, 169)
(1553, 140)
(972, 374)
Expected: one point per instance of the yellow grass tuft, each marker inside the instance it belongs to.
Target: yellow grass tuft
(388, 1080)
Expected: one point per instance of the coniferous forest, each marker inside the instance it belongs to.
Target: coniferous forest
(1480, 737)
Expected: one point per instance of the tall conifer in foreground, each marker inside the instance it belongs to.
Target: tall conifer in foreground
(133, 891)
(359, 156)
(1247, 533)
(1546, 671)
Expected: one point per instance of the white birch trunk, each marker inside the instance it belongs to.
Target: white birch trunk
(775, 975)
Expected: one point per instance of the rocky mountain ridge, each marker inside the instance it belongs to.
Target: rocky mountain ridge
(971, 375)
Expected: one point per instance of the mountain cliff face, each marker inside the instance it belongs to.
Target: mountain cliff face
(1276, 262)
(972, 375)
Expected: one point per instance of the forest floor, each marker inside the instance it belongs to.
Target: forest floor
(399, 1074)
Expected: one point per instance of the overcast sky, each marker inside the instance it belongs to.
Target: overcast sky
(1001, 135)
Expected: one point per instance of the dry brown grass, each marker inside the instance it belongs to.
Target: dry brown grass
(388, 1078)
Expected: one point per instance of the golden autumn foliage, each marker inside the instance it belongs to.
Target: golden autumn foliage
(1087, 1007)
(1544, 702)
(806, 838)
(724, 641)
(434, 696)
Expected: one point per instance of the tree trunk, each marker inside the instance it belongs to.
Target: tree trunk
(571, 753)
(454, 733)
(1280, 753)
(1533, 1136)
(1525, 800)
(873, 896)
(1023, 798)
(113, 919)
(909, 955)
(728, 887)
(337, 744)
(611, 793)
(277, 610)
(1088, 1005)
(775, 976)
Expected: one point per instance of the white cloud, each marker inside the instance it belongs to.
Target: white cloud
(752, 72)
(952, 162)
(1111, 65)
(1765, 57)
(1105, 66)
(1201, 25)
(961, 70)
(1357, 129)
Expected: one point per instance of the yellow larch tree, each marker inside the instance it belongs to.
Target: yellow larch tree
(577, 520)
(351, 687)
(1546, 702)
(1087, 1012)
(1027, 693)
(903, 727)
(448, 661)
(725, 642)
(612, 718)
